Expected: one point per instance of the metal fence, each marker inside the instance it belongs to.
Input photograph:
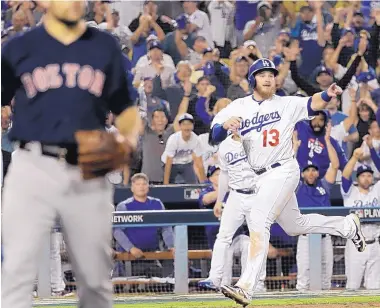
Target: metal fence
(161, 272)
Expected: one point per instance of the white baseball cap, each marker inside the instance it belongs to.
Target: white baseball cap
(249, 43)
(186, 116)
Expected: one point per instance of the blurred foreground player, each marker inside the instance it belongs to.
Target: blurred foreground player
(65, 77)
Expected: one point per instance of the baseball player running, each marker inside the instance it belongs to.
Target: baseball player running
(365, 194)
(266, 124)
(237, 176)
(65, 78)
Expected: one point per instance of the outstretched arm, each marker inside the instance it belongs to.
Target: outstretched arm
(320, 100)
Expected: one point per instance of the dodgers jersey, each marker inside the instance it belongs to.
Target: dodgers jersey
(352, 197)
(233, 160)
(267, 126)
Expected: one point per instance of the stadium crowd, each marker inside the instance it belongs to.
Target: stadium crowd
(187, 60)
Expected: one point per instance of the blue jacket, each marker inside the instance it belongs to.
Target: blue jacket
(144, 238)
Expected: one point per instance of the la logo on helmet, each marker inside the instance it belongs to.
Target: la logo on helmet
(266, 63)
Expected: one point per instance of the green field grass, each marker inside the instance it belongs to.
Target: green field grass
(259, 302)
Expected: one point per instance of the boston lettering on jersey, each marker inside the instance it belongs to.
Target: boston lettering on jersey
(233, 158)
(69, 75)
(258, 122)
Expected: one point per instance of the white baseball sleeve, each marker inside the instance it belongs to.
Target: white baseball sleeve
(300, 108)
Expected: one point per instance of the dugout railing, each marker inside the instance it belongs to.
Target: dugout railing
(182, 219)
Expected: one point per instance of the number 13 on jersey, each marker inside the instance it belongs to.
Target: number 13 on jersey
(271, 137)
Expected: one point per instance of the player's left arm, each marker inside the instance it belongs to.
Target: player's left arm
(128, 120)
(332, 171)
(320, 100)
(226, 119)
(9, 83)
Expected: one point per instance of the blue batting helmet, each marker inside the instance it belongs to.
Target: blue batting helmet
(259, 66)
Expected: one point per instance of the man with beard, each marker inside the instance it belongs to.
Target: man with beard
(313, 148)
(266, 124)
(364, 194)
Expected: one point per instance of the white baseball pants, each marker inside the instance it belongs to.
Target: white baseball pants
(276, 200)
(57, 283)
(303, 263)
(38, 189)
(236, 211)
(359, 264)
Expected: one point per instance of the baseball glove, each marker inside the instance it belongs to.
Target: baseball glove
(100, 152)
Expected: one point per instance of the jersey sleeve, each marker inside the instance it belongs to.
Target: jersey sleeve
(301, 107)
(171, 147)
(198, 148)
(326, 185)
(199, 20)
(341, 155)
(346, 187)
(375, 158)
(116, 86)
(9, 82)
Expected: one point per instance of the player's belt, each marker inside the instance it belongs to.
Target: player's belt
(67, 152)
(245, 191)
(263, 170)
(323, 235)
(369, 242)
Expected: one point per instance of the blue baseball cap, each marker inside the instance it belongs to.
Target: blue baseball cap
(211, 170)
(181, 21)
(155, 44)
(310, 165)
(324, 70)
(362, 169)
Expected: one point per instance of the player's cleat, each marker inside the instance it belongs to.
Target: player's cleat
(237, 294)
(63, 293)
(358, 240)
(208, 284)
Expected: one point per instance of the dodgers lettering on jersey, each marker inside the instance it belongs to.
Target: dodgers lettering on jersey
(267, 127)
(354, 198)
(233, 159)
(308, 38)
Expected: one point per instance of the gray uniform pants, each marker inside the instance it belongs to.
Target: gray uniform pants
(183, 174)
(37, 189)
